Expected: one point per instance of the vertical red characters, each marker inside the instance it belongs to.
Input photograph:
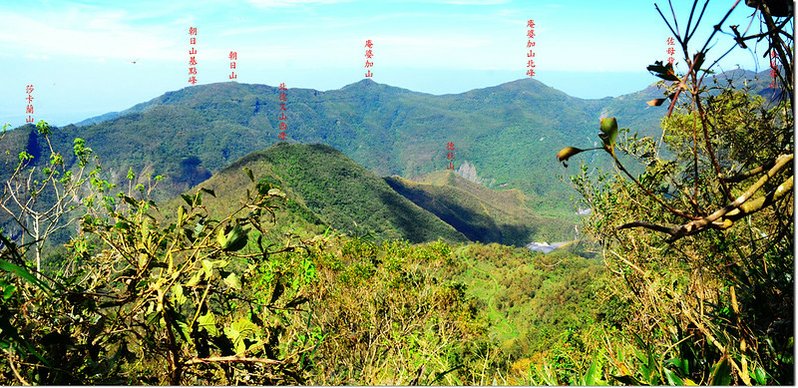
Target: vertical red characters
(29, 99)
(773, 69)
(530, 45)
(450, 155)
(670, 50)
(283, 99)
(192, 55)
(233, 58)
(369, 54)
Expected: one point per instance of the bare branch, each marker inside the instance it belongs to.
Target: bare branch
(648, 192)
(647, 225)
(233, 359)
(16, 373)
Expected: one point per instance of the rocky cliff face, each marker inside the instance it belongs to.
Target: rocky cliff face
(469, 172)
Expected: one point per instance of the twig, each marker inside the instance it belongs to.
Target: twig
(647, 225)
(725, 217)
(651, 194)
(745, 175)
(14, 369)
(232, 359)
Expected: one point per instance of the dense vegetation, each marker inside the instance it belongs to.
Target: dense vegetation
(703, 236)
(146, 295)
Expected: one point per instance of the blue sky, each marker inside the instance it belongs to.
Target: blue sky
(79, 54)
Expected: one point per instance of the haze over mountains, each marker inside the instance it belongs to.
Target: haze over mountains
(508, 134)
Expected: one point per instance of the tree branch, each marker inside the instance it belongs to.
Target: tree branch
(647, 225)
(14, 369)
(725, 217)
(232, 359)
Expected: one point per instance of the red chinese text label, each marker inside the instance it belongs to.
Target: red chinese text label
(450, 155)
(29, 107)
(670, 50)
(282, 118)
(233, 58)
(369, 55)
(530, 45)
(774, 72)
(192, 55)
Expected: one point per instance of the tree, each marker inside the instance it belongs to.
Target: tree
(40, 198)
(153, 299)
(703, 235)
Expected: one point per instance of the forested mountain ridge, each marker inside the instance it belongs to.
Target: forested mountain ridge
(326, 189)
(507, 132)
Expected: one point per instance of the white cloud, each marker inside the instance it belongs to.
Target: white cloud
(476, 2)
(84, 33)
(292, 3)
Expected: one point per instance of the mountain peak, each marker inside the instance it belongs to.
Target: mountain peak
(369, 85)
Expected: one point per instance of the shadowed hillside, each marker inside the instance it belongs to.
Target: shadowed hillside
(480, 213)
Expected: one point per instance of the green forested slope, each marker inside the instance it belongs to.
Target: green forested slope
(325, 188)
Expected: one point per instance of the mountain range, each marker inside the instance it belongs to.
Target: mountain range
(504, 136)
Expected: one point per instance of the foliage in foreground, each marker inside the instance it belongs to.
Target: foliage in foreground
(140, 300)
(702, 238)
(144, 294)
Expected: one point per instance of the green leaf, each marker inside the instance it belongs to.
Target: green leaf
(181, 213)
(178, 298)
(221, 238)
(566, 153)
(207, 268)
(143, 260)
(233, 281)
(199, 227)
(43, 128)
(593, 375)
(185, 331)
(188, 199)
(238, 331)
(760, 376)
(249, 174)
(628, 380)
(609, 133)
(207, 322)
(720, 374)
(8, 290)
(672, 378)
(209, 191)
(296, 302)
(682, 366)
(195, 279)
(233, 241)
(24, 274)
